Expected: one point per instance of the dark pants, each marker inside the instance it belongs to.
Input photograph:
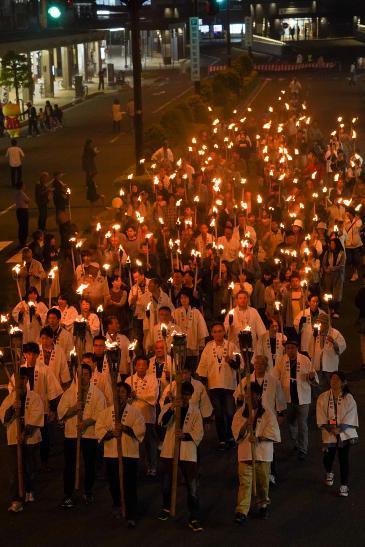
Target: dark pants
(88, 450)
(353, 257)
(44, 450)
(30, 468)
(343, 457)
(130, 471)
(150, 444)
(223, 404)
(15, 175)
(22, 216)
(42, 217)
(190, 474)
(116, 126)
(33, 126)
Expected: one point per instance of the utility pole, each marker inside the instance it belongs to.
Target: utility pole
(134, 6)
(196, 14)
(228, 24)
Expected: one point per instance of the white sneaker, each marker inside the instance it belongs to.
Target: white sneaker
(336, 316)
(15, 507)
(329, 479)
(344, 491)
(29, 497)
(355, 276)
(272, 479)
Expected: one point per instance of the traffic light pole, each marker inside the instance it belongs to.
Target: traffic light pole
(228, 24)
(196, 14)
(137, 84)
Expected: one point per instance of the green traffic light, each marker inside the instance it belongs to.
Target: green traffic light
(54, 12)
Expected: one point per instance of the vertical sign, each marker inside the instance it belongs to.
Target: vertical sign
(248, 32)
(194, 49)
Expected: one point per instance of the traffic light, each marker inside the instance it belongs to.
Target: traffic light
(55, 11)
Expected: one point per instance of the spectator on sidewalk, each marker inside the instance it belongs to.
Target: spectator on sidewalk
(116, 115)
(101, 79)
(22, 213)
(32, 120)
(42, 192)
(58, 115)
(130, 113)
(15, 157)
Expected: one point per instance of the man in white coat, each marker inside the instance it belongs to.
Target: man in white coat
(191, 322)
(131, 430)
(54, 357)
(31, 410)
(265, 431)
(304, 322)
(327, 348)
(150, 303)
(218, 366)
(241, 317)
(164, 328)
(61, 336)
(190, 433)
(145, 395)
(296, 375)
(199, 398)
(271, 344)
(161, 366)
(91, 404)
(43, 381)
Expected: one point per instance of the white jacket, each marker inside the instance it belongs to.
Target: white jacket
(146, 395)
(94, 404)
(306, 338)
(345, 411)
(193, 424)
(57, 364)
(33, 415)
(132, 418)
(191, 323)
(242, 319)
(267, 428)
(199, 398)
(282, 373)
(273, 396)
(219, 375)
(45, 384)
(325, 358)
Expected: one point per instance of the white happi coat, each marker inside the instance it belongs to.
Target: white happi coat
(68, 316)
(193, 424)
(137, 291)
(263, 347)
(306, 338)
(157, 334)
(46, 385)
(273, 396)
(192, 323)
(219, 375)
(123, 343)
(31, 329)
(149, 322)
(33, 415)
(166, 371)
(199, 398)
(103, 382)
(267, 427)
(146, 395)
(344, 411)
(94, 404)
(241, 319)
(131, 417)
(57, 363)
(282, 373)
(324, 357)
(64, 339)
(92, 329)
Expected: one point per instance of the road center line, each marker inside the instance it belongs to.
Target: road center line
(171, 100)
(7, 210)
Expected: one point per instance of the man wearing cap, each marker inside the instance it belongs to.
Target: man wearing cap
(304, 322)
(326, 348)
(353, 242)
(296, 375)
(293, 303)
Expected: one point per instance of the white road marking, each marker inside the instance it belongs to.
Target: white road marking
(4, 211)
(15, 259)
(114, 139)
(4, 244)
(171, 101)
(258, 91)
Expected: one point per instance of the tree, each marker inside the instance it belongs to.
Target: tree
(15, 72)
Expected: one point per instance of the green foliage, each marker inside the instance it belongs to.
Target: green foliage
(175, 124)
(153, 138)
(15, 72)
(198, 108)
(242, 65)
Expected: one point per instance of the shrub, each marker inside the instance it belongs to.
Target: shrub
(175, 124)
(198, 108)
(154, 136)
(242, 65)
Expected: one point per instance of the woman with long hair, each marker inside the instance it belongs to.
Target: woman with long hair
(337, 419)
(333, 276)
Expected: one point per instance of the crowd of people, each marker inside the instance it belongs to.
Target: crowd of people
(243, 245)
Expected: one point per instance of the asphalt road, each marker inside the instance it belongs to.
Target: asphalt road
(303, 511)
